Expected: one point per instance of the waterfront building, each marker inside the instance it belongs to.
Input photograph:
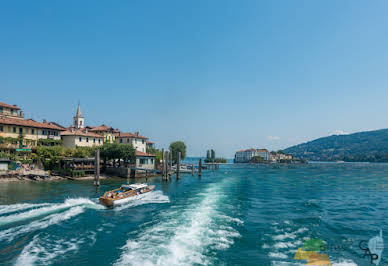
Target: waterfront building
(73, 138)
(138, 142)
(278, 157)
(150, 145)
(24, 133)
(245, 156)
(263, 153)
(145, 160)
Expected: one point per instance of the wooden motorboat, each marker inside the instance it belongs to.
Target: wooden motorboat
(124, 194)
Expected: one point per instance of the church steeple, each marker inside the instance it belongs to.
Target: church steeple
(78, 114)
(79, 119)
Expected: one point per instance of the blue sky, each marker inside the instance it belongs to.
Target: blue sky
(225, 75)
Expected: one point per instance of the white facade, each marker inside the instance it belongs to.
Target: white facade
(246, 155)
(73, 141)
(139, 144)
(145, 162)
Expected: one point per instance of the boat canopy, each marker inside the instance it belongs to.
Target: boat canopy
(134, 186)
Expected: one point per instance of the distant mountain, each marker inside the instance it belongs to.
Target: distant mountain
(369, 146)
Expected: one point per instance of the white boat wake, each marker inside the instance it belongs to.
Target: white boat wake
(184, 238)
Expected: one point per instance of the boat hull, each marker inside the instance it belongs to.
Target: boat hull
(111, 202)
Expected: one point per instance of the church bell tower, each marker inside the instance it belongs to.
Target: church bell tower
(79, 119)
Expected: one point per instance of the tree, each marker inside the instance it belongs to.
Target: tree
(257, 159)
(213, 154)
(178, 146)
(157, 153)
(115, 151)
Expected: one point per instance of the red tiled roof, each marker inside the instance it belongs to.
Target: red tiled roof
(9, 106)
(28, 123)
(149, 142)
(101, 128)
(143, 154)
(129, 135)
(78, 132)
(262, 150)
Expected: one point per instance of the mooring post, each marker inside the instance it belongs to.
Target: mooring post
(178, 165)
(166, 165)
(192, 170)
(167, 168)
(163, 164)
(97, 168)
(200, 167)
(170, 153)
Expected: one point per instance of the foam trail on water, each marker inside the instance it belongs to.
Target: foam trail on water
(52, 219)
(183, 238)
(44, 251)
(6, 209)
(34, 213)
(147, 198)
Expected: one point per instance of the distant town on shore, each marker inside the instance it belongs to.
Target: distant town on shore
(264, 156)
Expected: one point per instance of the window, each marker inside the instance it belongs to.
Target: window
(20, 130)
(1, 109)
(99, 141)
(121, 140)
(87, 139)
(80, 139)
(142, 141)
(32, 131)
(11, 111)
(142, 161)
(1, 129)
(94, 140)
(14, 129)
(127, 140)
(152, 161)
(44, 132)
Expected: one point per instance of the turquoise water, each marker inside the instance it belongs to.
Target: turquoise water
(237, 215)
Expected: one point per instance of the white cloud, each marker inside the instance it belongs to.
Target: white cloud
(273, 138)
(339, 132)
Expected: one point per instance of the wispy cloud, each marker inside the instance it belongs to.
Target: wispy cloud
(273, 138)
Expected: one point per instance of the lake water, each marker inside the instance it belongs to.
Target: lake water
(237, 215)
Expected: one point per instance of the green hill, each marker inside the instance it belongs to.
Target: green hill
(369, 146)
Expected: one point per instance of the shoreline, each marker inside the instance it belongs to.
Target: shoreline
(24, 178)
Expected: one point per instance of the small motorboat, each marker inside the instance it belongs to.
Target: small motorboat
(124, 194)
(183, 169)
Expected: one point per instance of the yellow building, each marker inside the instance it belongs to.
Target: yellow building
(23, 133)
(106, 131)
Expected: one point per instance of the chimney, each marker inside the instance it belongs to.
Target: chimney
(137, 133)
(72, 129)
(21, 114)
(86, 130)
(44, 121)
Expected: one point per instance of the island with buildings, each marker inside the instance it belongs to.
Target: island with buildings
(264, 156)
